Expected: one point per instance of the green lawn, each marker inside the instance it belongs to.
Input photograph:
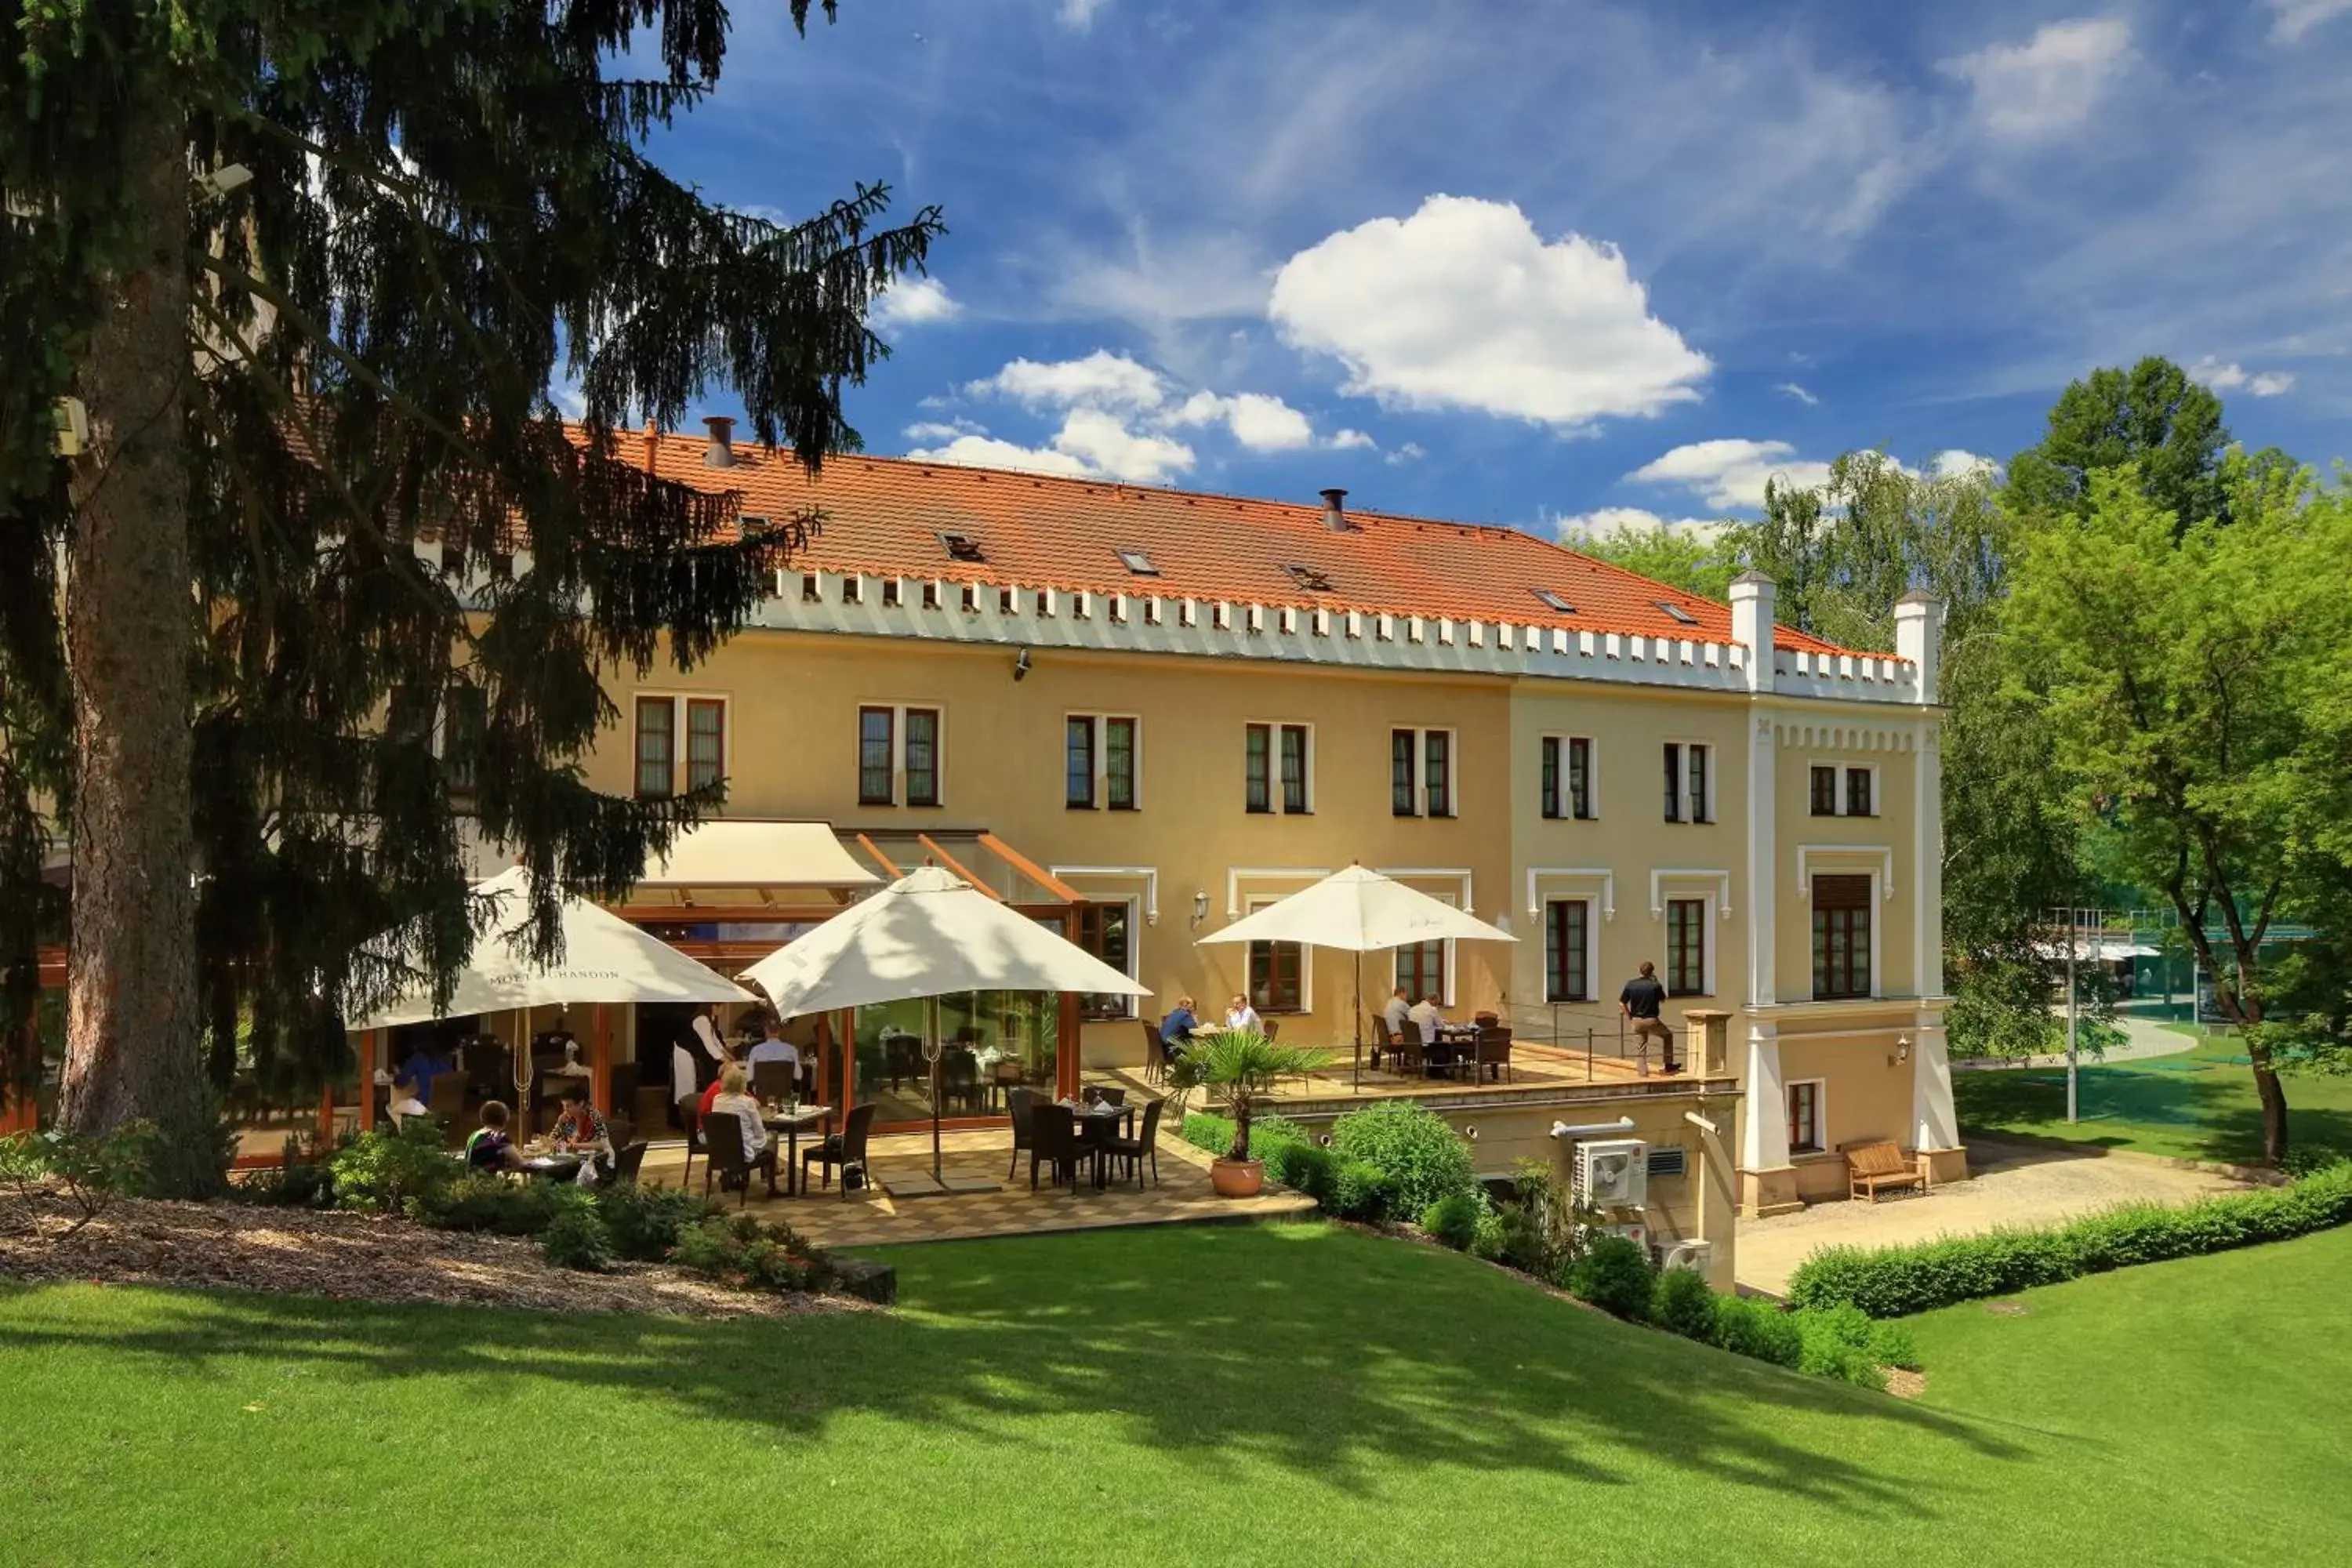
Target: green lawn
(2199, 1105)
(1286, 1395)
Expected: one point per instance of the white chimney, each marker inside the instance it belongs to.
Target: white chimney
(720, 453)
(1751, 626)
(1919, 638)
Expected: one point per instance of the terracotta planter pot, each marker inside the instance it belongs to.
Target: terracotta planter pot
(1237, 1178)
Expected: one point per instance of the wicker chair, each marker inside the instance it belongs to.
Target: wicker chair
(1144, 1145)
(727, 1162)
(1492, 1056)
(1022, 1103)
(1155, 1052)
(1054, 1142)
(1384, 1043)
(846, 1149)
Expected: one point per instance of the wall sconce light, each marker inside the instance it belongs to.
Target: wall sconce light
(1200, 908)
(1902, 1051)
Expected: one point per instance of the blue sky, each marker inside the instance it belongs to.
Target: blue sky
(1530, 262)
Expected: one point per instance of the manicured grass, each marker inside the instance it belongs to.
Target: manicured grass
(1288, 1395)
(2198, 1106)
(2219, 1380)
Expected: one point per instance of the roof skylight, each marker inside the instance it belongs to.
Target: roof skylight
(962, 547)
(1308, 577)
(1555, 601)
(1136, 562)
(1676, 612)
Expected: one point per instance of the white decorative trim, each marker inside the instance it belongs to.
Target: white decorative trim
(1150, 874)
(1459, 873)
(1721, 879)
(1806, 852)
(1047, 619)
(1234, 874)
(1602, 874)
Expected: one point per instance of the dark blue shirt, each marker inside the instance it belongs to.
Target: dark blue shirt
(1177, 1025)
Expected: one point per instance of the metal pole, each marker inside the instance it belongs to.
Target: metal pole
(2075, 923)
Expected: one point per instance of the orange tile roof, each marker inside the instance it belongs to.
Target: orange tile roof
(884, 516)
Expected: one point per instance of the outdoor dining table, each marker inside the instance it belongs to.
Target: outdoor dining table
(1097, 1125)
(791, 1123)
(554, 1167)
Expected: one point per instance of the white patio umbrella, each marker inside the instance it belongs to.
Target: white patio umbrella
(605, 959)
(927, 935)
(1359, 911)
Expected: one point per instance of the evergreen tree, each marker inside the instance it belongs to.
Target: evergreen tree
(332, 565)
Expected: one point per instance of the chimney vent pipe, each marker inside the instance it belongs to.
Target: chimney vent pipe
(1335, 515)
(720, 453)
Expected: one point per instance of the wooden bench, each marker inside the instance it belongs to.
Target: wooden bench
(1878, 1164)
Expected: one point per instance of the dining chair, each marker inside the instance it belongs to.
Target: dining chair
(1412, 1058)
(689, 1116)
(846, 1149)
(1144, 1145)
(627, 1165)
(775, 1080)
(1155, 1052)
(1384, 1043)
(727, 1162)
(1022, 1103)
(1056, 1142)
(1492, 1056)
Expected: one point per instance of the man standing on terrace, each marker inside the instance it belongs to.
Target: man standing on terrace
(1639, 1002)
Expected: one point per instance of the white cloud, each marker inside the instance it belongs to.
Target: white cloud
(1259, 422)
(2293, 19)
(934, 430)
(1103, 442)
(1791, 389)
(1079, 14)
(2051, 81)
(914, 303)
(1352, 440)
(2232, 377)
(1953, 462)
(1605, 521)
(1409, 452)
(1463, 305)
(987, 452)
(1102, 378)
(1731, 473)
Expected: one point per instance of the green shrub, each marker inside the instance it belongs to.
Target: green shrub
(1303, 1167)
(1361, 1191)
(1453, 1220)
(1204, 1131)
(1615, 1274)
(739, 1250)
(90, 1169)
(575, 1238)
(1683, 1304)
(644, 1223)
(1491, 1237)
(1895, 1281)
(1270, 1132)
(1834, 1341)
(1891, 1345)
(1414, 1148)
(1758, 1329)
(486, 1203)
(298, 1180)
(382, 1167)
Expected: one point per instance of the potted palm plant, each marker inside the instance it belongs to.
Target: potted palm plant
(1241, 1065)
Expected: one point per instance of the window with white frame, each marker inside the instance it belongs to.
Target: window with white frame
(1277, 972)
(1421, 969)
(1102, 761)
(898, 758)
(1808, 1129)
(1566, 781)
(675, 735)
(1421, 772)
(1844, 792)
(1105, 928)
(1568, 950)
(1686, 966)
(1842, 964)
(1278, 769)
(1690, 781)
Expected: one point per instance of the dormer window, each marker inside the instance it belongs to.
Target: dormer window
(1555, 601)
(1136, 562)
(1676, 612)
(962, 547)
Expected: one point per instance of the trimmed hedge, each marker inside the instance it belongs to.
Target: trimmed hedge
(1895, 1281)
(1420, 1153)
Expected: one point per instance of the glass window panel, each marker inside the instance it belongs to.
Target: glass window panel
(657, 719)
(923, 756)
(1857, 793)
(1437, 772)
(1257, 790)
(1547, 785)
(1119, 763)
(1580, 777)
(1079, 762)
(874, 783)
(1825, 792)
(706, 742)
(1401, 799)
(1294, 768)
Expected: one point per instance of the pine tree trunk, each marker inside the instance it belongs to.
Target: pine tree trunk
(132, 1021)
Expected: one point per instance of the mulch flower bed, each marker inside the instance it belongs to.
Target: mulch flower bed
(348, 1256)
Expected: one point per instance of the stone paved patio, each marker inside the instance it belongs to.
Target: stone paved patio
(875, 1219)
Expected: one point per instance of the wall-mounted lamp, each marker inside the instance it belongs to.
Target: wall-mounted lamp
(1902, 1051)
(1200, 908)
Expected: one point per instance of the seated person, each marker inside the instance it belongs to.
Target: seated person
(488, 1147)
(1395, 1013)
(407, 1101)
(1425, 1014)
(759, 1147)
(581, 1129)
(710, 1095)
(1176, 1028)
(1242, 1016)
(774, 1048)
(421, 1070)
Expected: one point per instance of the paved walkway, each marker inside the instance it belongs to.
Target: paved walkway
(2014, 1184)
(2143, 1039)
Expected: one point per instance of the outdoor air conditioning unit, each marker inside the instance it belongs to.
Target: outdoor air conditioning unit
(1612, 1173)
(1697, 1256)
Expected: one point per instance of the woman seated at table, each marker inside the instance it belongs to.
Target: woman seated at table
(488, 1147)
(581, 1128)
(1242, 1016)
(759, 1147)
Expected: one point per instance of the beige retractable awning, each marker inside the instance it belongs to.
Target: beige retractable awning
(757, 854)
